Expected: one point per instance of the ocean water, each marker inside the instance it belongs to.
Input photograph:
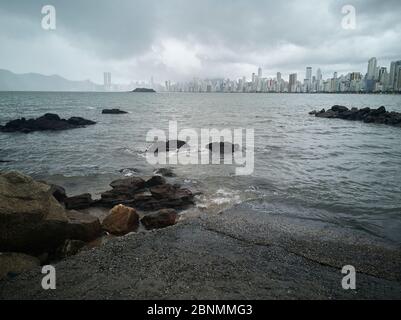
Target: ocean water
(334, 171)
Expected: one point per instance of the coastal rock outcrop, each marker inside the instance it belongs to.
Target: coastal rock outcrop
(121, 221)
(161, 219)
(367, 115)
(48, 122)
(33, 221)
(113, 111)
(166, 146)
(150, 195)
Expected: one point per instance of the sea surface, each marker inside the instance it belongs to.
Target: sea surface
(327, 170)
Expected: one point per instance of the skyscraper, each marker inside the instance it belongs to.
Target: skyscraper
(292, 86)
(308, 74)
(260, 73)
(392, 84)
(372, 67)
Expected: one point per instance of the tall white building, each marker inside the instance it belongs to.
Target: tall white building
(372, 68)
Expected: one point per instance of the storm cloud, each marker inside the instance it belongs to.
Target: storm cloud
(182, 39)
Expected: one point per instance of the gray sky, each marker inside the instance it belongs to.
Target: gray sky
(182, 39)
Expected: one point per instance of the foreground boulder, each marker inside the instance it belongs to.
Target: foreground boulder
(161, 219)
(13, 264)
(48, 122)
(367, 115)
(113, 111)
(121, 221)
(33, 221)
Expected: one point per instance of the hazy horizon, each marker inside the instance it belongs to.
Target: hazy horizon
(179, 40)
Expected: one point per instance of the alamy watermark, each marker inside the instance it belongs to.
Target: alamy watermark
(349, 20)
(49, 17)
(226, 146)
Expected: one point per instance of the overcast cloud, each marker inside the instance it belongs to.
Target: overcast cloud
(182, 39)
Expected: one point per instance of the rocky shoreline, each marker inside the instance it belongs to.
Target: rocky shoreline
(238, 254)
(39, 221)
(367, 115)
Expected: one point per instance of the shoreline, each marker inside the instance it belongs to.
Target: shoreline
(242, 253)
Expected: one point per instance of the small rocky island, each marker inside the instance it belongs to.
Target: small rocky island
(367, 115)
(144, 90)
(48, 122)
(113, 111)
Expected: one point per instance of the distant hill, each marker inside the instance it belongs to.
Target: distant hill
(144, 90)
(10, 81)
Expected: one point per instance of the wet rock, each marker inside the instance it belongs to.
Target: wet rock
(58, 192)
(367, 115)
(113, 111)
(13, 264)
(82, 201)
(82, 226)
(161, 219)
(33, 221)
(171, 145)
(165, 172)
(222, 147)
(121, 221)
(339, 109)
(48, 122)
(155, 181)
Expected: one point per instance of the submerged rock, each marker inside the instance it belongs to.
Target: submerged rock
(161, 219)
(113, 111)
(121, 221)
(48, 122)
(367, 115)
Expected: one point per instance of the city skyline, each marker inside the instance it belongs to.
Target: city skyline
(376, 79)
(179, 40)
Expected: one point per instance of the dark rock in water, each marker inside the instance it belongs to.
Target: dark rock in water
(339, 109)
(4, 161)
(82, 201)
(155, 181)
(161, 219)
(58, 192)
(165, 172)
(128, 185)
(222, 147)
(146, 90)
(48, 122)
(80, 122)
(113, 111)
(171, 145)
(367, 115)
